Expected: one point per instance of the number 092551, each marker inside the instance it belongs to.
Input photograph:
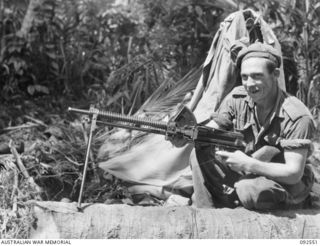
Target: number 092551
(308, 241)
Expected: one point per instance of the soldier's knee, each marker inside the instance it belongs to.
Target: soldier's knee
(260, 193)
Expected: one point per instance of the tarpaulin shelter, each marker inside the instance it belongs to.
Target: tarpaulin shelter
(163, 168)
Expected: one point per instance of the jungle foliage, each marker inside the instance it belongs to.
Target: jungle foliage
(112, 56)
(116, 53)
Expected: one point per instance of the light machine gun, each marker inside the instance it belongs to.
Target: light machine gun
(182, 126)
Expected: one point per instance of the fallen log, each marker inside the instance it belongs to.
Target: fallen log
(100, 221)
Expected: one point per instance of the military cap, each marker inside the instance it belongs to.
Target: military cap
(259, 50)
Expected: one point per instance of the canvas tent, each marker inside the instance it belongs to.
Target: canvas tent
(163, 169)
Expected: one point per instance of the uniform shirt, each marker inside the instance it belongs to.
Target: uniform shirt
(289, 126)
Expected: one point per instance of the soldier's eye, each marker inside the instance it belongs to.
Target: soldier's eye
(244, 77)
(256, 76)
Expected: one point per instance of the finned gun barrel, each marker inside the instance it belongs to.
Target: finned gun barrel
(122, 118)
(127, 122)
(182, 124)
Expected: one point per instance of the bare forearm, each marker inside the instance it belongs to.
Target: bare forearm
(279, 172)
(289, 172)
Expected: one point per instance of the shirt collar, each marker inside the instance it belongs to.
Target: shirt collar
(280, 99)
(277, 107)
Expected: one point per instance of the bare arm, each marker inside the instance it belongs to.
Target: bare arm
(289, 172)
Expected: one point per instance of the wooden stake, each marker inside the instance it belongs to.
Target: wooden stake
(36, 120)
(14, 197)
(28, 125)
(18, 159)
(22, 167)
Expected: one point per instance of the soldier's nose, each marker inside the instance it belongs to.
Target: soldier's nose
(250, 82)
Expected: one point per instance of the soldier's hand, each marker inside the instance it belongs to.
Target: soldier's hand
(237, 161)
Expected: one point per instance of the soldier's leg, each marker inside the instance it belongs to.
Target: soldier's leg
(213, 181)
(201, 197)
(260, 193)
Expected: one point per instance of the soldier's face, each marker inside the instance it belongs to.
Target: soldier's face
(260, 84)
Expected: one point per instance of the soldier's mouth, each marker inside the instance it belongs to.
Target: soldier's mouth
(254, 91)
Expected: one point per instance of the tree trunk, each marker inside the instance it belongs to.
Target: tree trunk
(29, 17)
(62, 220)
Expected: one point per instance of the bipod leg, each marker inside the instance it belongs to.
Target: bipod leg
(92, 128)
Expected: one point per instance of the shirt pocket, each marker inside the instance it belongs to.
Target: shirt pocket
(240, 122)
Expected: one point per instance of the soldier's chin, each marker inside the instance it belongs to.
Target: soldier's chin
(256, 96)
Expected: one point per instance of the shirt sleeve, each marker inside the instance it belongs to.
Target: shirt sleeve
(298, 134)
(225, 114)
(227, 107)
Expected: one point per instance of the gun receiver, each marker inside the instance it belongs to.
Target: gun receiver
(183, 124)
